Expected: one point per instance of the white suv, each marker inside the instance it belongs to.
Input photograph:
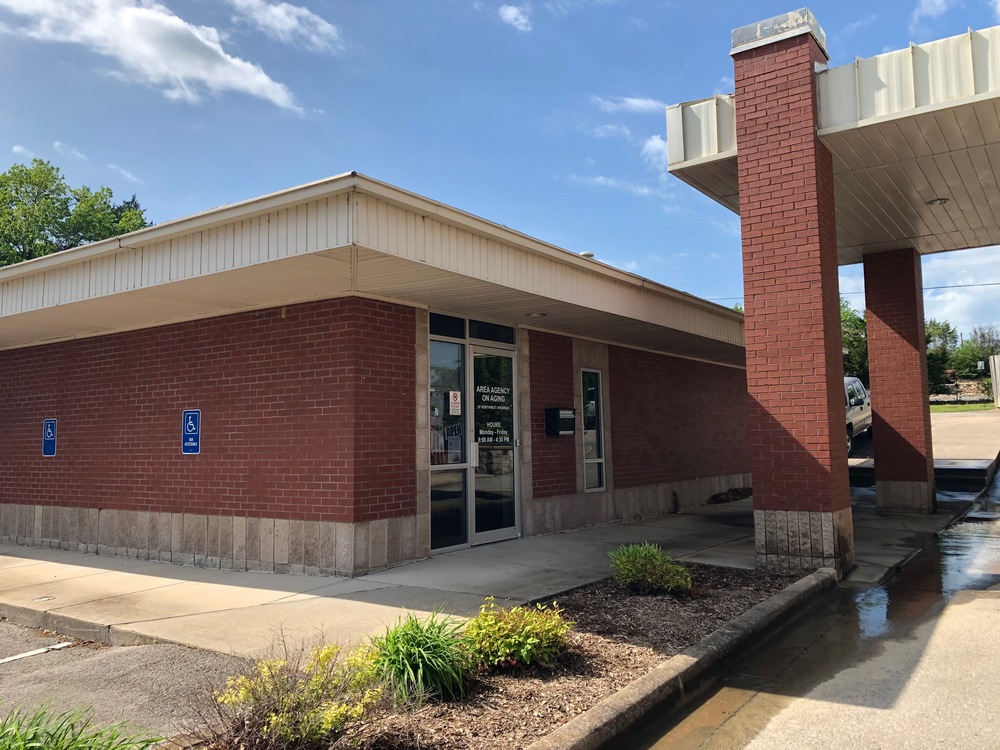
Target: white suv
(859, 410)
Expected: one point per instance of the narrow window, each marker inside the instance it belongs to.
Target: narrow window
(593, 443)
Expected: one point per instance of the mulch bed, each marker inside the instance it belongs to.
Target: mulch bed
(619, 636)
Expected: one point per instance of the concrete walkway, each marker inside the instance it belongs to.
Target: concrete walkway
(964, 443)
(118, 600)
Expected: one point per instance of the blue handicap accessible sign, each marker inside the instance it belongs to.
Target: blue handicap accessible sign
(191, 431)
(49, 431)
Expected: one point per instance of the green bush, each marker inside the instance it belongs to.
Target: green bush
(70, 730)
(647, 569)
(986, 386)
(302, 701)
(500, 637)
(422, 659)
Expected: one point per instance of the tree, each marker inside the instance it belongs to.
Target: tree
(941, 336)
(966, 358)
(854, 330)
(981, 344)
(987, 337)
(40, 214)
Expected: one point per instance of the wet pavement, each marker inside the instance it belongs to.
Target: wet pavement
(908, 664)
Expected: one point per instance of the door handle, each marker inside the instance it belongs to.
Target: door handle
(474, 455)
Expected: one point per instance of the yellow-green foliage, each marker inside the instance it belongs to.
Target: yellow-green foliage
(507, 637)
(281, 704)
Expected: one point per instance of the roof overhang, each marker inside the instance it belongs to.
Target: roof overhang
(905, 128)
(351, 235)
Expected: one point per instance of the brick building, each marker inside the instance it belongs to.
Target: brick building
(345, 376)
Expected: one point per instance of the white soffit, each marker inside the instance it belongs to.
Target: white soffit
(904, 127)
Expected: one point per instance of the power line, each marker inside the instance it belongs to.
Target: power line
(963, 286)
(946, 286)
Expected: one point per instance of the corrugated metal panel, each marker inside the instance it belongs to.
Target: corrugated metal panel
(701, 130)
(383, 227)
(307, 228)
(900, 83)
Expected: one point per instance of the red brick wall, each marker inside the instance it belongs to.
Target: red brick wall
(897, 364)
(553, 459)
(307, 412)
(793, 340)
(673, 419)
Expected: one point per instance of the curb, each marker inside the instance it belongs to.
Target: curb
(73, 627)
(674, 682)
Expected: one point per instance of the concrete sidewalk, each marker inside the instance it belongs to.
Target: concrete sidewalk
(118, 600)
(965, 445)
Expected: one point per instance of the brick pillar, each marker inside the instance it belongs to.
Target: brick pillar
(801, 492)
(897, 364)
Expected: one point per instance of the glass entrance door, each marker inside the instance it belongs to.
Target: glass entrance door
(494, 460)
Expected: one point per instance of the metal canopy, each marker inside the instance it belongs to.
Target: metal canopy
(905, 128)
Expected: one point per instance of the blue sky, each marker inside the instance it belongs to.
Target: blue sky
(546, 116)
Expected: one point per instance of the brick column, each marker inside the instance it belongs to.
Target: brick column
(897, 364)
(801, 492)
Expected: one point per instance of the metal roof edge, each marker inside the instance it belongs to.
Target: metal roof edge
(184, 225)
(346, 182)
(458, 217)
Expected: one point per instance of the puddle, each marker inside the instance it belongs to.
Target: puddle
(849, 629)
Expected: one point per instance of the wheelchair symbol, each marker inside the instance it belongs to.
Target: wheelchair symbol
(190, 425)
(49, 432)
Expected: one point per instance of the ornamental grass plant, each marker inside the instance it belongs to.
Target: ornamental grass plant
(45, 729)
(646, 569)
(422, 659)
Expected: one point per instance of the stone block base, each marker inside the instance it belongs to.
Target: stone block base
(790, 541)
(549, 515)
(905, 497)
(226, 542)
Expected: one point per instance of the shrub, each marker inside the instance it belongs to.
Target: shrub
(422, 659)
(986, 386)
(70, 730)
(302, 701)
(647, 569)
(501, 637)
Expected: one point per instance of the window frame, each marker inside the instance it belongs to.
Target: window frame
(599, 409)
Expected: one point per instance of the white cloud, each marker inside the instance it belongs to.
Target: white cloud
(629, 104)
(151, 46)
(726, 85)
(516, 16)
(290, 24)
(562, 7)
(729, 225)
(930, 9)
(124, 173)
(612, 131)
(64, 149)
(958, 287)
(861, 23)
(654, 153)
(613, 183)
(995, 4)
(22, 151)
